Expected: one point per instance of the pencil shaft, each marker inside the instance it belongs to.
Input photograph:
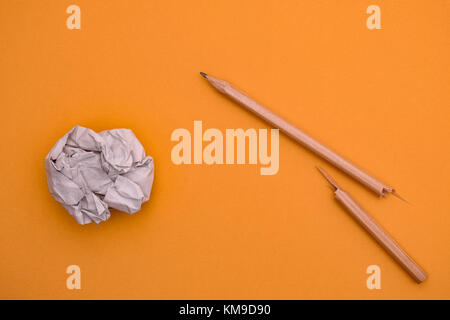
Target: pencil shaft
(381, 236)
(301, 137)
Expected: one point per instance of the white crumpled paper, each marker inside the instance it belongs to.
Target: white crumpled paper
(89, 172)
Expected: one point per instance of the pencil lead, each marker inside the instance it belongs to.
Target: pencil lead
(204, 75)
(329, 179)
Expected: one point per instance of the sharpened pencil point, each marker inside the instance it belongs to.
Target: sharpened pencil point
(204, 75)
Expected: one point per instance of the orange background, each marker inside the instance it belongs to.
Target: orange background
(379, 97)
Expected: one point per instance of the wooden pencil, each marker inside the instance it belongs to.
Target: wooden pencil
(301, 137)
(376, 231)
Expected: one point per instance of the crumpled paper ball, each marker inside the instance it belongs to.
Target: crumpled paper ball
(89, 173)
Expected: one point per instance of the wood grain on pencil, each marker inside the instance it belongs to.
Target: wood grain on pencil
(377, 232)
(299, 136)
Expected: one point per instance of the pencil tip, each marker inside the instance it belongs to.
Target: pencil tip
(204, 75)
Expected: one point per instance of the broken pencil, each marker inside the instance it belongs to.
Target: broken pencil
(376, 231)
(301, 137)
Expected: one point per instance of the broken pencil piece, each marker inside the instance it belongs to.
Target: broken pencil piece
(376, 231)
(299, 136)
